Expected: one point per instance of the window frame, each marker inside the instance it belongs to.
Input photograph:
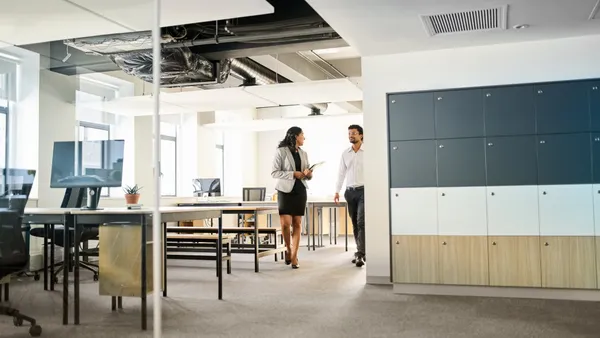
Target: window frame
(97, 126)
(174, 140)
(4, 111)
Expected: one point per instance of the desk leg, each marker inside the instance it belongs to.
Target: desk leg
(76, 271)
(164, 259)
(314, 230)
(256, 240)
(220, 257)
(320, 227)
(335, 212)
(144, 279)
(346, 227)
(46, 234)
(68, 223)
(51, 258)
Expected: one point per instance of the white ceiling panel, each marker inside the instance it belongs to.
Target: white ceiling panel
(336, 90)
(284, 123)
(379, 27)
(135, 106)
(34, 21)
(216, 99)
(138, 14)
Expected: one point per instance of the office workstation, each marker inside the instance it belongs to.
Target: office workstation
(142, 166)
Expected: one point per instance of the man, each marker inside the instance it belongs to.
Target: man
(351, 169)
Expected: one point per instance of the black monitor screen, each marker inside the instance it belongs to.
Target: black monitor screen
(95, 164)
(207, 185)
(15, 187)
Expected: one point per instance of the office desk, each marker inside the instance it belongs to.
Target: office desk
(139, 218)
(311, 207)
(49, 217)
(244, 208)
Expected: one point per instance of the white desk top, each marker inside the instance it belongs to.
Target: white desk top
(46, 211)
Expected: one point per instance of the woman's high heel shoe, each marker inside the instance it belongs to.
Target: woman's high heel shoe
(296, 266)
(288, 260)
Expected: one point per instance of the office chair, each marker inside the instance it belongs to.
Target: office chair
(14, 258)
(254, 194)
(74, 198)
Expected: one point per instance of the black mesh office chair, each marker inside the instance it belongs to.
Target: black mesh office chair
(254, 194)
(74, 198)
(14, 258)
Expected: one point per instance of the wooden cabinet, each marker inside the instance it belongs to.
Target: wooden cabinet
(463, 260)
(515, 261)
(568, 262)
(415, 259)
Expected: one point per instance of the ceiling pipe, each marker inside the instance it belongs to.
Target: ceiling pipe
(253, 73)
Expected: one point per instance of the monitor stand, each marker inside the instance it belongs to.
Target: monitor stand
(92, 199)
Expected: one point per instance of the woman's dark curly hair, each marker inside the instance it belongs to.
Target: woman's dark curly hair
(290, 138)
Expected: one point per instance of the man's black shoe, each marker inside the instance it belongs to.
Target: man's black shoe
(354, 259)
(359, 262)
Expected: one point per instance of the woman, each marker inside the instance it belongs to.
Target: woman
(290, 169)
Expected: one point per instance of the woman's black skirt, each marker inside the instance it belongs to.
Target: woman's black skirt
(292, 203)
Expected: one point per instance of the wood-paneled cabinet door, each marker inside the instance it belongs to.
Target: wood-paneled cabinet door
(568, 262)
(415, 259)
(515, 261)
(464, 260)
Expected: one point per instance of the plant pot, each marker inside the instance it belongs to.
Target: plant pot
(132, 198)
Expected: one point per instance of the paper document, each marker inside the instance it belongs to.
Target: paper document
(312, 167)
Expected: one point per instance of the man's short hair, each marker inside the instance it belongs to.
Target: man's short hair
(357, 127)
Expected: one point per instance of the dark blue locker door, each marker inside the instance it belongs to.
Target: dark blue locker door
(596, 157)
(459, 113)
(411, 116)
(511, 160)
(461, 162)
(509, 111)
(564, 159)
(594, 95)
(412, 164)
(562, 107)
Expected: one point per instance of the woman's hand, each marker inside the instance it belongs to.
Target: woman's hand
(298, 175)
(307, 173)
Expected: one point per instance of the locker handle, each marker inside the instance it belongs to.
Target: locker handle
(490, 144)
(493, 243)
(397, 242)
(597, 139)
(393, 101)
(544, 193)
(443, 194)
(546, 244)
(444, 243)
(441, 146)
(493, 194)
(395, 148)
(396, 195)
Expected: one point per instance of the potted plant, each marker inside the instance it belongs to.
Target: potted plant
(132, 194)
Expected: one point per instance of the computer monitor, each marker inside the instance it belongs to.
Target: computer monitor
(207, 186)
(15, 187)
(88, 164)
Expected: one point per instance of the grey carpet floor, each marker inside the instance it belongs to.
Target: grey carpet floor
(326, 297)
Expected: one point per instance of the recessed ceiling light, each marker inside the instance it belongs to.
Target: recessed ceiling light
(521, 26)
(326, 51)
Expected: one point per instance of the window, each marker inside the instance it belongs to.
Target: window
(220, 162)
(95, 132)
(3, 136)
(168, 159)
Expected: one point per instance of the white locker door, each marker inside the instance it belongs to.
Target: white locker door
(596, 194)
(414, 211)
(462, 211)
(513, 211)
(566, 210)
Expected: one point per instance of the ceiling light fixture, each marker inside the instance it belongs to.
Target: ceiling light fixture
(523, 26)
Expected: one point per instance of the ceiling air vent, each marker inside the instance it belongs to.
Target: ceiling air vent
(466, 21)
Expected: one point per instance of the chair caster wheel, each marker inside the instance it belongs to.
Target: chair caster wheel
(36, 277)
(35, 331)
(18, 321)
(95, 278)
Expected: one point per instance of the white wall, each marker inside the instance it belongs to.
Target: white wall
(324, 142)
(240, 152)
(550, 60)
